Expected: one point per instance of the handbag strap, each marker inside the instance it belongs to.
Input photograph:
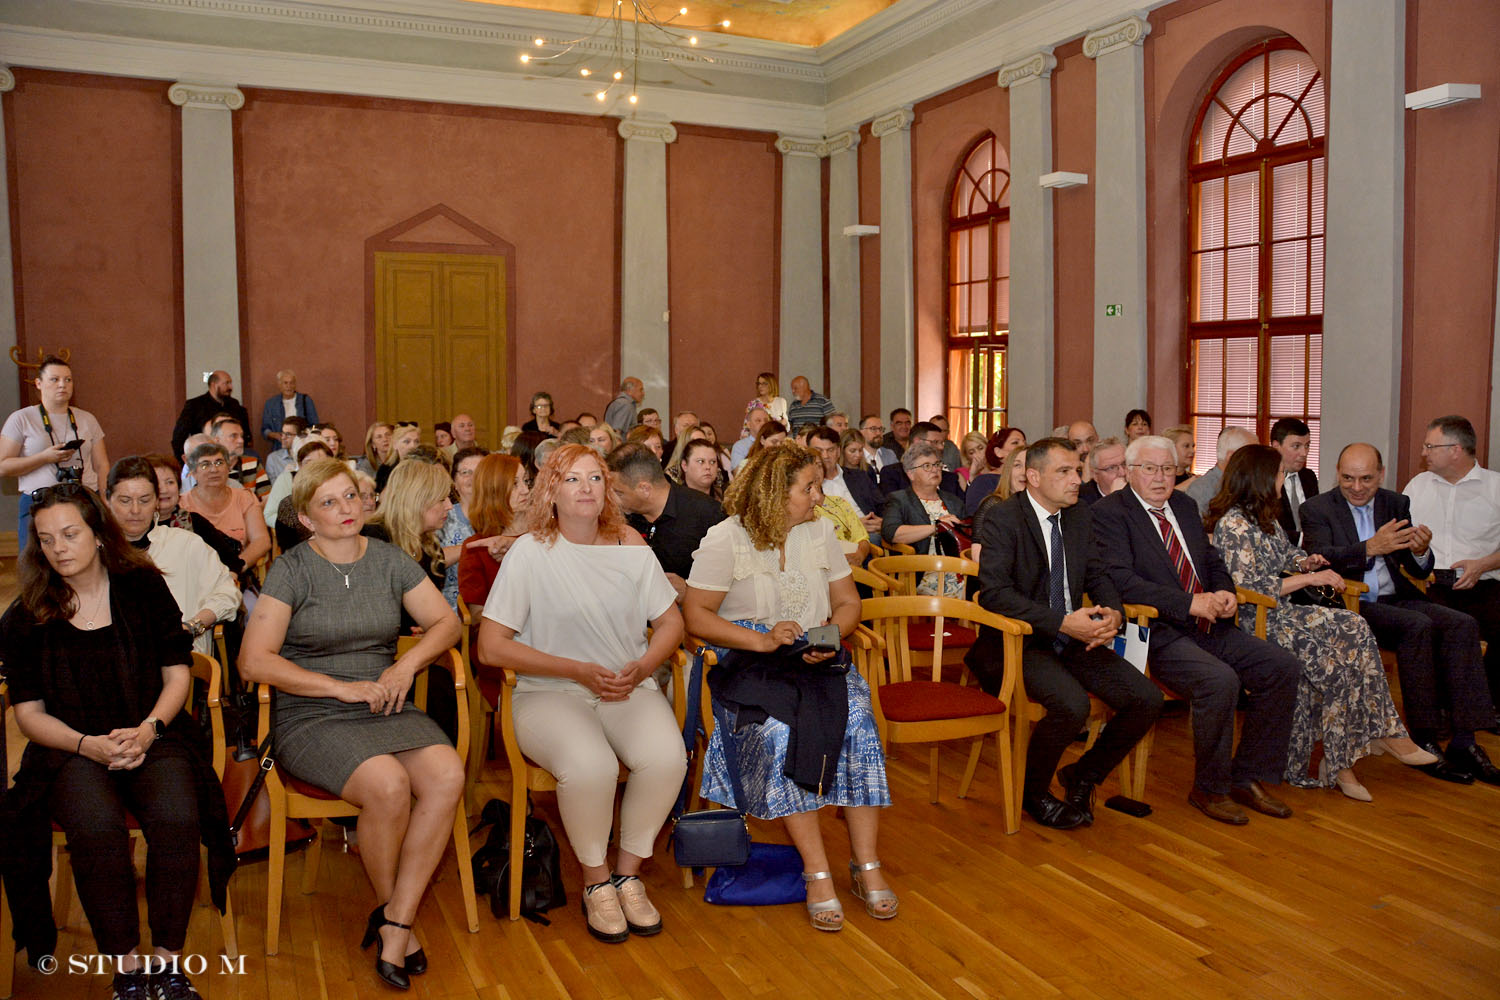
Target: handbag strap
(690, 729)
(267, 761)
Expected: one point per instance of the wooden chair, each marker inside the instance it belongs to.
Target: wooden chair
(206, 671)
(1262, 604)
(912, 709)
(295, 799)
(907, 571)
(705, 721)
(527, 777)
(1025, 713)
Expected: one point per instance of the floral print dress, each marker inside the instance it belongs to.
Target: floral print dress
(1343, 698)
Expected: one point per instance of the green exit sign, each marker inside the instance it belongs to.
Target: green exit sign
(1114, 309)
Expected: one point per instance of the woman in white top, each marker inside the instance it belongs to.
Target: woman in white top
(761, 578)
(568, 613)
(203, 587)
(31, 442)
(768, 398)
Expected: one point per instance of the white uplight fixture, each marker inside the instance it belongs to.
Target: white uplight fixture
(1062, 179)
(1442, 95)
(861, 231)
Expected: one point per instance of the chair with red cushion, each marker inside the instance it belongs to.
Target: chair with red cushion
(914, 704)
(907, 571)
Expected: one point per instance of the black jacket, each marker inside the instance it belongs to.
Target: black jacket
(199, 410)
(1328, 529)
(865, 489)
(1309, 481)
(905, 508)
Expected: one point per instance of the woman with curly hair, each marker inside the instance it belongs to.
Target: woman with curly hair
(568, 613)
(501, 493)
(761, 579)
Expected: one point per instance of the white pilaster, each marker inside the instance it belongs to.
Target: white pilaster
(897, 319)
(210, 264)
(645, 329)
(10, 397)
(843, 275)
(1120, 342)
(1030, 353)
(1362, 305)
(801, 261)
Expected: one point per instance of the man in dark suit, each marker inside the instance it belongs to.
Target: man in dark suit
(1291, 436)
(1107, 459)
(893, 477)
(1036, 562)
(1151, 541)
(201, 409)
(1365, 533)
(673, 519)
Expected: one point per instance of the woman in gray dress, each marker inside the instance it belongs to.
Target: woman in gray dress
(324, 633)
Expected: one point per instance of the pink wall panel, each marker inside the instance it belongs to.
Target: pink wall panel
(1073, 101)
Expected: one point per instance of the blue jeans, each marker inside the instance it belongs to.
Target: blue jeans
(23, 522)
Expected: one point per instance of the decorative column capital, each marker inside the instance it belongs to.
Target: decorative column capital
(896, 121)
(1037, 66)
(1122, 34)
(841, 142)
(212, 96)
(657, 131)
(794, 145)
(7, 80)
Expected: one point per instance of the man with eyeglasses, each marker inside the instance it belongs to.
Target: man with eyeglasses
(1107, 462)
(873, 431)
(1459, 501)
(893, 477)
(1202, 489)
(1151, 540)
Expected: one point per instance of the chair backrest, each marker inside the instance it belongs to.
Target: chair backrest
(887, 651)
(907, 570)
(1262, 605)
(206, 671)
(874, 579)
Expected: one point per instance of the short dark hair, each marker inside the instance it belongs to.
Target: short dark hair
(297, 424)
(469, 451)
(221, 419)
(1458, 428)
(823, 432)
(446, 426)
(311, 447)
(1037, 451)
(48, 362)
(640, 417)
(1130, 416)
(868, 416)
(635, 463)
(922, 427)
(1286, 427)
(899, 409)
(130, 467)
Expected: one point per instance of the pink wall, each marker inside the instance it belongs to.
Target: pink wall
(94, 209)
(1451, 224)
(723, 239)
(1073, 240)
(320, 174)
(944, 129)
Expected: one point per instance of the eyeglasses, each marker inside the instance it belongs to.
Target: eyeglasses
(1110, 468)
(211, 463)
(1434, 447)
(873, 427)
(1152, 471)
(926, 467)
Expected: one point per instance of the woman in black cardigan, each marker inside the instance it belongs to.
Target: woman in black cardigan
(97, 662)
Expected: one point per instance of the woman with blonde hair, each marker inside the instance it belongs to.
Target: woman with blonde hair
(1182, 436)
(568, 612)
(412, 509)
(762, 577)
(377, 448)
(604, 439)
(768, 398)
(972, 448)
(406, 439)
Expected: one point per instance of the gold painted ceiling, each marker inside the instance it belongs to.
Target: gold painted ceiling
(799, 22)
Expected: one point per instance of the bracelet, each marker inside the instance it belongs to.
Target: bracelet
(79, 749)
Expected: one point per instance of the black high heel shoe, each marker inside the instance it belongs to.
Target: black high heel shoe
(416, 963)
(389, 973)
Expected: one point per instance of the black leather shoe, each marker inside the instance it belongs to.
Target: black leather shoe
(389, 973)
(1473, 761)
(416, 962)
(1443, 770)
(1048, 810)
(1077, 793)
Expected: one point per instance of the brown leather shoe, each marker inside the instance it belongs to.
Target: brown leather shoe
(1217, 807)
(1256, 797)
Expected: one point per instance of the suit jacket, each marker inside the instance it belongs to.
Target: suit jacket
(1014, 578)
(199, 410)
(904, 508)
(273, 414)
(1088, 494)
(1135, 559)
(1309, 481)
(1328, 529)
(893, 479)
(865, 489)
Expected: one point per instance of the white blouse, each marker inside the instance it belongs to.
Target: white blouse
(754, 585)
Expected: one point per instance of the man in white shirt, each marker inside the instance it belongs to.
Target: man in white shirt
(825, 441)
(741, 449)
(873, 431)
(1459, 501)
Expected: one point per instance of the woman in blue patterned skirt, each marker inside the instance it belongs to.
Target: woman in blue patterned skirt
(760, 580)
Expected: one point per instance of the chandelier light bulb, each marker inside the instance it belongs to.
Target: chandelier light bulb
(525, 58)
(682, 11)
(634, 99)
(541, 41)
(724, 23)
(693, 40)
(599, 96)
(619, 75)
(584, 71)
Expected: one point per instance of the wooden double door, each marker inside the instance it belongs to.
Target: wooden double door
(440, 340)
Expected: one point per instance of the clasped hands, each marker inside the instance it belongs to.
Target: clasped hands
(121, 749)
(1095, 626)
(612, 685)
(1215, 604)
(385, 694)
(1395, 535)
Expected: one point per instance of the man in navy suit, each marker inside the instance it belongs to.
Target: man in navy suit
(288, 403)
(1151, 541)
(1036, 562)
(1291, 437)
(1366, 533)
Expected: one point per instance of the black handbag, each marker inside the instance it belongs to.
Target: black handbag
(541, 864)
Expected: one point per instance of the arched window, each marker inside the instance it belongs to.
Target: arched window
(1256, 180)
(978, 289)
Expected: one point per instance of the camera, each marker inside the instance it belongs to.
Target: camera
(69, 474)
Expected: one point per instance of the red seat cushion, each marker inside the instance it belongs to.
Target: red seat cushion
(919, 635)
(924, 701)
(300, 787)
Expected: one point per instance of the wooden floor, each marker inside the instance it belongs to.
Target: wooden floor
(1396, 898)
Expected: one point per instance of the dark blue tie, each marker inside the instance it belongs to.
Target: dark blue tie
(1056, 592)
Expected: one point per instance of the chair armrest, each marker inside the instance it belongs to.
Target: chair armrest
(1141, 613)
(1352, 591)
(1254, 597)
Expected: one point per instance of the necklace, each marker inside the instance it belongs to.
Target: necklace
(341, 571)
(98, 606)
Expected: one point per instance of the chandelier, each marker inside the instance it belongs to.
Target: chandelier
(610, 55)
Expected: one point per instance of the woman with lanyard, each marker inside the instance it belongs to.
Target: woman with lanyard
(34, 441)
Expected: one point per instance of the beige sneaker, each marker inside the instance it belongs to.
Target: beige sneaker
(601, 909)
(640, 915)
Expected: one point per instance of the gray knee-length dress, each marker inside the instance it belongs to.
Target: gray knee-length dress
(348, 632)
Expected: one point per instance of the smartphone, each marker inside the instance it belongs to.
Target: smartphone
(823, 637)
(1445, 577)
(72, 445)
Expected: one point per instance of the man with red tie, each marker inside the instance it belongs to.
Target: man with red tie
(1151, 541)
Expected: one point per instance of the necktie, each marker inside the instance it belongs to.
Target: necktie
(1175, 552)
(1056, 590)
(1364, 522)
(1294, 499)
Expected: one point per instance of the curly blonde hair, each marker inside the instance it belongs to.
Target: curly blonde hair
(759, 491)
(541, 509)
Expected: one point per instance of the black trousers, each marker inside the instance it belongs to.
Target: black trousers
(1061, 683)
(89, 801)
(1210, 669)
(1482, 603)
(1437, 660)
